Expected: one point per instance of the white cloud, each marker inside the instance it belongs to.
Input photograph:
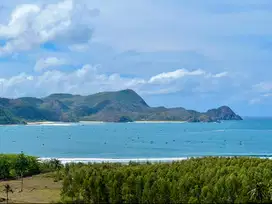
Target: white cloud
(19, 20)
(167, 77)
(267, 95)
(262, 98)
(30, 25)
(85, 80)
(254, 101)
(44, 63)
(79, 47)
(263, 87)
(161, 91)
(88, 79)
(262, 92)
(219, 75)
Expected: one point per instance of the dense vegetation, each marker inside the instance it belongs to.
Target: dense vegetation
(7, 118)
(119, 106)
(13, 166)
(197, 180)
(206, 180)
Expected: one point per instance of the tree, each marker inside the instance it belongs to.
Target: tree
(202, 180)
(270, 193)
(124, 119)
(8, 190)
(258, 193)
(4, 168)
(68, 188)
(56, 164)
(21, 165)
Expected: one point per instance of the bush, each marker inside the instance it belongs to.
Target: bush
(9, 162)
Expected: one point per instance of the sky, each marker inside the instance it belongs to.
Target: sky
(197, 54)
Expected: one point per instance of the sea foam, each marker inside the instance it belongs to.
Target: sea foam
(112, 160)
(140, 160)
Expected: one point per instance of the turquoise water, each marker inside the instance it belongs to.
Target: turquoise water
(135, 140)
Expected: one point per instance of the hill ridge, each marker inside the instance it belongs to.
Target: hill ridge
(112, 106)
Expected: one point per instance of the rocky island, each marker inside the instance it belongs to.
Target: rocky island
(119, 106)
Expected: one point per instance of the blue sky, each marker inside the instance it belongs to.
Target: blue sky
(196, 54)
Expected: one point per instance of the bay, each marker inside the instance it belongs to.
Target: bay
(250, 137)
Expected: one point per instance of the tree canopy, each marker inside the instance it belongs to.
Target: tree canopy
(197, 180)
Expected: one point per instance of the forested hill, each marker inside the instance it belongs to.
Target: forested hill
(120, 106)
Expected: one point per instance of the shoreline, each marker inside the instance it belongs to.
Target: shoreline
(143, 160)
(42, 122)
(89, 122)
(98, 122)
(49, 123)
(159, 121)
(112, 160)
(61, 123)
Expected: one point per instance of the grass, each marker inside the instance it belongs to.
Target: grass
(37, 189)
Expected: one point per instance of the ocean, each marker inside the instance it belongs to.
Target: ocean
(98, 142)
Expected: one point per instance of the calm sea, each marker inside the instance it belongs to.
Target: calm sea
(252, 137)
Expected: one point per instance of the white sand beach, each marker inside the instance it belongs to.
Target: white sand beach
(62, 123)
(90, 122)
(40, 123)
(50, 123)
(95, 122)
(161, 121)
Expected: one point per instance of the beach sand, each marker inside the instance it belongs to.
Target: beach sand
(55, 123)
(90, 122)
(94, 122)
(162, 121)
(41, 123)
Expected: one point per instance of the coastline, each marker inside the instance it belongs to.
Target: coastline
(41, 123)
(62, 123)
(159, 121)
(98, 122)
(49, 123)
(113, 160)
(142, 160)
(90, 122)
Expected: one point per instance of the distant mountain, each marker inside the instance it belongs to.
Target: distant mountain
(222, 113)
(120, 106)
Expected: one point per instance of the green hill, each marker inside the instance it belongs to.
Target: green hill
(7, 118)
(119, 106)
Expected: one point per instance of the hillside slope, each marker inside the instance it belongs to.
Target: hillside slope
(7, 118)
(120, 106)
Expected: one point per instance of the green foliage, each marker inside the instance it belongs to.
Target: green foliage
(21, 164)
(124, 119)
(13, 165)
(7, 118)
(197, 180)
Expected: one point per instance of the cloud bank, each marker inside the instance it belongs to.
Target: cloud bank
(88, 79)
(45, 63)
(31, 25)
